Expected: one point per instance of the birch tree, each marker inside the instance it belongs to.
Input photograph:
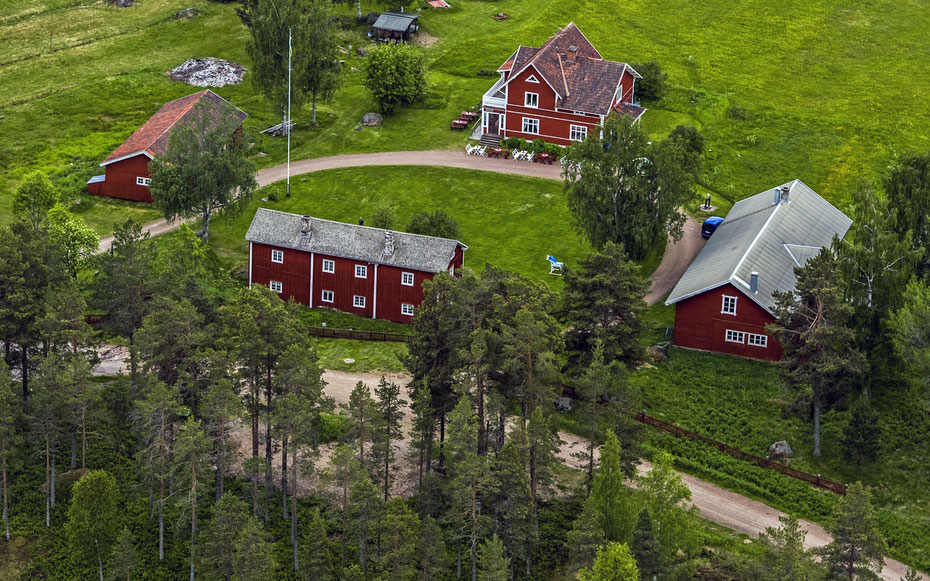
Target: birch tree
(93, 520)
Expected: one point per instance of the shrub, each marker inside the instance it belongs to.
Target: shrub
(512, 142)
(689, 138)
(652, 87)
(383, 217)
(333, 427)
(538, 146)
(486, 73)
(395, 74)
(436, 223)
(737, 113)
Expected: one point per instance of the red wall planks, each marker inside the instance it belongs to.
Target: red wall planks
(700, 324)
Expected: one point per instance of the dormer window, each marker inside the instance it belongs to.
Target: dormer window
(532, 79)
(531, 100)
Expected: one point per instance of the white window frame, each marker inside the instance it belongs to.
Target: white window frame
(724, 304)
(406, 309)
(580, 130)
(329, 266)
(527, 99)
(757, 340)
(361, 271)
(532, 79)
(529, 121)
(276, 286)
(358, 301)
(735, 337)
(327, 296)
(406, 278)
(279, 254)
(141, 181)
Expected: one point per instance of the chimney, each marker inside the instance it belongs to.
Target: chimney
(754, 282)
(388, 243)
(572, 53)
(304, 226)
(785, 190)
(777, 196)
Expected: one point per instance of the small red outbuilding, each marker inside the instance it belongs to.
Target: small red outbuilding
(725, 299)
(127, 168)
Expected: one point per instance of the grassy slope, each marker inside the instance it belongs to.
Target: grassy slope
(509, 221)
(827, 92)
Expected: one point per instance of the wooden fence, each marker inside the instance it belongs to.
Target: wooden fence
(816, 480)
(353, 334)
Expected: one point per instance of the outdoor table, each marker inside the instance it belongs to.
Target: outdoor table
(496, 152)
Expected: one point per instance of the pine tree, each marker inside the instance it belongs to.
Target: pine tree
(667, 497)
(192, 462)
(613, 563)
(63, 324)
(8, 414)
(86, 399)
(609, 493)
(362, 411)
(366, 503)
(857, 549)
(316, 551)
(645, 549)
(294, 418)
(220, 406)
(93, 521)
(911, 575)
(513, 503)
(254, 554)
(390, 411)
(158, 415)
(49, 410)
(124, 561)
(785, 558)
(586, 536)
(492, 565)
(398, 534)
(862, 435)
(434, 558)
(219, 537)
(343, 471)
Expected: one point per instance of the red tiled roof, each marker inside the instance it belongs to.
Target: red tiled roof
(152, 137)
(582, 78)
(634, 111)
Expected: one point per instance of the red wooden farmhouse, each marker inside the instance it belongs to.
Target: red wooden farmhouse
(559, 92)
(724, 300)
(127, 168)
(365, 271)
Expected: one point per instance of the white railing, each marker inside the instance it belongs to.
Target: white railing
(488, 100)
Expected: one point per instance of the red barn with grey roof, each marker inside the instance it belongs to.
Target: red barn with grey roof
(127, 168)
(559, 92)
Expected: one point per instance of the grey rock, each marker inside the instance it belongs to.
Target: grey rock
(563, 404)
(123, 3)
(186, 13)
(208, 72)
(361, 51)
(780, 450)
(657, 353)
(371, 119)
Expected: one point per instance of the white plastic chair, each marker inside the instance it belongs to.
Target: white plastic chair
(470, 149)
(482, 150)
(555, 267)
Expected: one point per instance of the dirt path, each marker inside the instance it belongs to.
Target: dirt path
(678, 256)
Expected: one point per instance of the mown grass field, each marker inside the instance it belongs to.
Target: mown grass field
(826, 91)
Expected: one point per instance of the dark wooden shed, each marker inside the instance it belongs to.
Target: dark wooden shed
(394, 27)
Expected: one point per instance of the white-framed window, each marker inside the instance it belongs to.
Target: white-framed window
(729, 305)
(358, 301)
(531, 99)
(141, 181)
(329, 266)
(276, 286)
(452, 270)
(406, 309)
(277, 256)
(532, 79)
(327, 296)
(578, 133)
(361, 271)
(531, 125)
(735, 336)
(406, 278)
(757, 340)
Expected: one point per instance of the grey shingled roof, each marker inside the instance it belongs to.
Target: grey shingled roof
(759, 235)
(394, 21)
(424, 253)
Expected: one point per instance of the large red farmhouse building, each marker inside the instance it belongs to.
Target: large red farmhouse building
(724, 300)
(559, 92)
(127, 168)
(365, 271)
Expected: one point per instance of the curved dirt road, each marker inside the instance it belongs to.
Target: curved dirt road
(678, 256)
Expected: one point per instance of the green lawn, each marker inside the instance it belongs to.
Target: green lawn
(825, 91)
(513, 222)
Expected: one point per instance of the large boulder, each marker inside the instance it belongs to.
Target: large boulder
(657, 353)
(563, 404)
(123, 3)
(371, 119)
(780, 450)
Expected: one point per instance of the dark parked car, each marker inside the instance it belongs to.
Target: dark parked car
(710, 226)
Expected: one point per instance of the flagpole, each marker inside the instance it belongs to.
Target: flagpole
(288, 125)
